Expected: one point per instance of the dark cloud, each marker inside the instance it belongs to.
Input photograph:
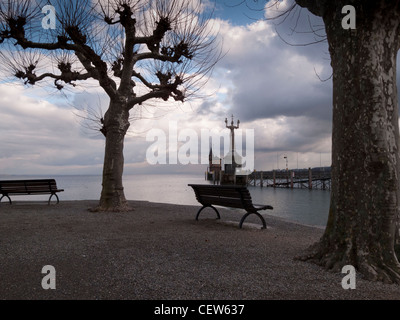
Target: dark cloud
(271, 78)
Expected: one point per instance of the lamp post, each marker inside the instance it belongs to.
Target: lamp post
(285, 157)
(287, 171)
(278, 156)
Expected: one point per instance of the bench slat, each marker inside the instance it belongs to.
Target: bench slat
(233, 194)
(218, 201)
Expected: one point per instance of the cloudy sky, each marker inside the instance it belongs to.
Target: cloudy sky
(274, 88)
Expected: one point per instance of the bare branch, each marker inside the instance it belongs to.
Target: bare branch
(170, 39)
(293, 11)
(316, 7)
(161, 94)
(299, 44)
(322, 80)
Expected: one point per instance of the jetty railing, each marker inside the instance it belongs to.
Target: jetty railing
(316, 178)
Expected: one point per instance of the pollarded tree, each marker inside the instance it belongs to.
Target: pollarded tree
(364, 209)
(136, 50)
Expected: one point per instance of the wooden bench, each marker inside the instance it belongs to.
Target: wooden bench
(28, 187)
(227, 196)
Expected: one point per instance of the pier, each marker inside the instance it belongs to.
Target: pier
(316, 178)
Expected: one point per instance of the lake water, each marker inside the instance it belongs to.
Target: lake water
(300, 205)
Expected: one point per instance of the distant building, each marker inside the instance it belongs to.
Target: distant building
(214, 167)
(232, 163)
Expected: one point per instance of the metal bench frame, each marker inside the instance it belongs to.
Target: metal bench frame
(29, 187)
(228, 196)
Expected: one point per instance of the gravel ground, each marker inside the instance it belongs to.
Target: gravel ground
(159, 251)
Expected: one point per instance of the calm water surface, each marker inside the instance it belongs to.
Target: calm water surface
(299, 205)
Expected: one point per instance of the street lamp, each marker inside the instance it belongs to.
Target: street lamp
(286, 158)
(232, 127)
(287, 171)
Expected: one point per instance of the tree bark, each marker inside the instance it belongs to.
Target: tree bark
(116, 124)
(364, 208)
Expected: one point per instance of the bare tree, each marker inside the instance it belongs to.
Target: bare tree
(363, 221)
(136, 50)
(364, 210)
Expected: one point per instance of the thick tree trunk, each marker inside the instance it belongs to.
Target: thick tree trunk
(364, 209)
(116, 124)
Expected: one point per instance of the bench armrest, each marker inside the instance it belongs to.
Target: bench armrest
(262, 207)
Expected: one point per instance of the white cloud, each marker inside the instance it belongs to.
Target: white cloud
(269, 85)
(272, 88)
(38, 136)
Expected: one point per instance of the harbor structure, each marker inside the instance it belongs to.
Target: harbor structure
(230, 171)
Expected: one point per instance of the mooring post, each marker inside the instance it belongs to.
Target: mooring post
(291, 179)
(309, 179)
(287, 178)
(274, 178)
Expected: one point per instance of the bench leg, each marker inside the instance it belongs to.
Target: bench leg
(9, 199)
(256, 213)
(198, 213)
(53, 194)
